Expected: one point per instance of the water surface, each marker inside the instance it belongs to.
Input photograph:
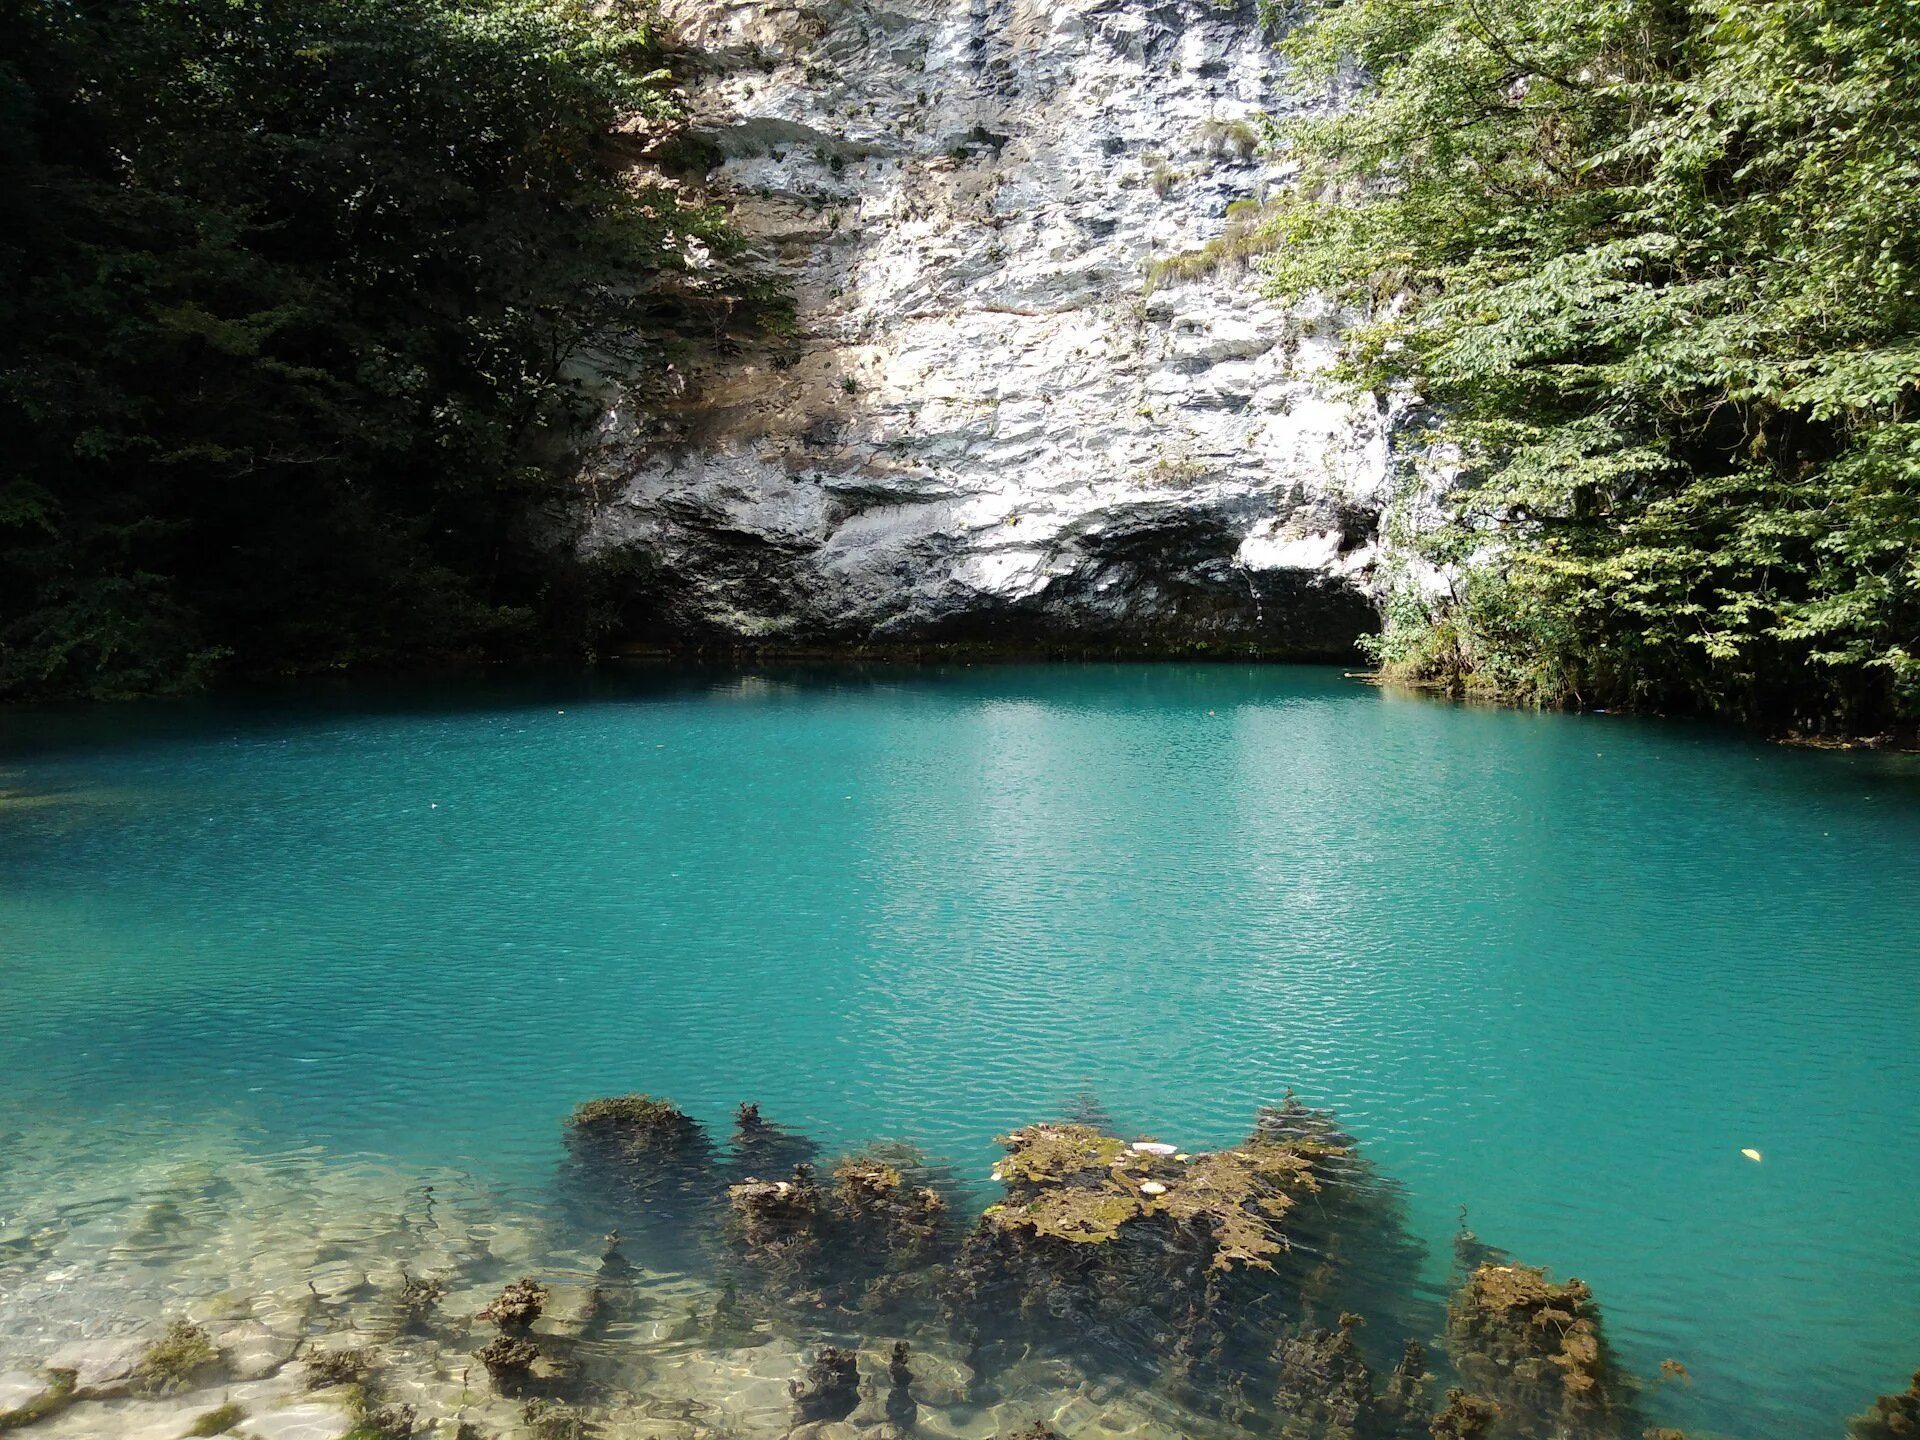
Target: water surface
(1556, 970)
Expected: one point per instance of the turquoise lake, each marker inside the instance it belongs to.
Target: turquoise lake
(1557, 970)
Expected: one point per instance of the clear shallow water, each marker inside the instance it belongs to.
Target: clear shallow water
(1557, 970)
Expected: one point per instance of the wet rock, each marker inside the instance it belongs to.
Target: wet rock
(17, 1387)
(509, 1360)
(308, 1420)
(901, 1408)
(252, 1350)
(102, 1367)
(1536, 1348)
(871, 1243)
(552, 1420)
(336, 1364)
(182, 1354)
(36, 1400)
(515, 1308)
(830, 1389)
(1465, 1417)
(644, 1166)
(1325, 1390)
(413, 1303)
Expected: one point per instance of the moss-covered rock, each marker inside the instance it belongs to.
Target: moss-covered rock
(516, 1307)
(51, 1401)
(1535, 1347)
(1893, 1417)
(830, 1389)
(638, 1122)
(183, 1354)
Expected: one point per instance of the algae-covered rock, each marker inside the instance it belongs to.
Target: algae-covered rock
(871, 1242)
(901, 1408)
(1893, 1417)
(31, 1409)
(1465, 1417)
(640, 1164)
(181, 1355)
(509, 1360)
(830, 1389)
(1536, 1348)
(516, 1307)
(1325, 1390)
(638, 1122)
(1127, 1246)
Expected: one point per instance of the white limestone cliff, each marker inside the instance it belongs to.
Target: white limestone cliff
(989, 426)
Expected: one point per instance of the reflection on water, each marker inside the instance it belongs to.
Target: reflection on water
(310, 999)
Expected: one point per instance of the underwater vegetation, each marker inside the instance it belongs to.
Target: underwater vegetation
(1268, 1285)
(1893, 1417)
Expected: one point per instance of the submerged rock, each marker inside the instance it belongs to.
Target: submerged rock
(870, 1243)
(641, 1165)
(901, 1408)
(1536, 1348)
(515, 1308)
(830, 1389)
(1893, 1417)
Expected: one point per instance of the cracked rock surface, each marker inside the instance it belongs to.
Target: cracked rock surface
(990, 427)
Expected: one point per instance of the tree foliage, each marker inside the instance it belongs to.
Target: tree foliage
(298, 300)
(1653, 263)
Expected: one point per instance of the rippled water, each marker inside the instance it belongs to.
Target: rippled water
(1556, 970)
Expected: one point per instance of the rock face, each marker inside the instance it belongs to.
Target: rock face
(999, 420)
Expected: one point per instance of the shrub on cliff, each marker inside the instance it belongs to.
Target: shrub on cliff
(1655, 264)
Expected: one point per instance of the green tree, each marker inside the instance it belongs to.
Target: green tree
(298, 306)
(1653, 264)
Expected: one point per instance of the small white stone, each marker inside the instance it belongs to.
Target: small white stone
(1152, 1147)
(1153, 1187)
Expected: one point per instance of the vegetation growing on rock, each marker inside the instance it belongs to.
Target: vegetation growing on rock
(1653, 265)
(1893, 1417)
(178, 1358)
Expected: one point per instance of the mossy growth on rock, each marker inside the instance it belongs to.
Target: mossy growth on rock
(1536, 1348)
(1893, 1417)
(871, 1241)
(1325, 1390)
(1465, 1417)
(1073, 1184)
(640, 1164)
(217, 1421)
(638, 1121)
(177, 1359)
(327, 1368)
(509, 1361)
(50, 1401)
(413, 1302)
(553, 1420)
(830, 1389)
(516, 1307)
(1179, 1266)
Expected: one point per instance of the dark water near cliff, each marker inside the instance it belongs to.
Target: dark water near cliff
(1556, 970)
